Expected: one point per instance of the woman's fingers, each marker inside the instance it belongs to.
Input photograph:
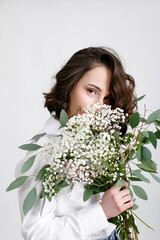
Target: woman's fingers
(127, 205)
(124, 192)
(116, 201)
(118, 189)
(126, 199)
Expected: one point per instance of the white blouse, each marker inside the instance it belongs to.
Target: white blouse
(67, 216)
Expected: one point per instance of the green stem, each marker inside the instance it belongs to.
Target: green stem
(141, 220)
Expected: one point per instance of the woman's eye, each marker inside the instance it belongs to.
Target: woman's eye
(92, 91)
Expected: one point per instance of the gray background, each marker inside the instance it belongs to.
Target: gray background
(36, 38)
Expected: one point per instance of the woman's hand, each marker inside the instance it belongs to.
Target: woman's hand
(115, 201)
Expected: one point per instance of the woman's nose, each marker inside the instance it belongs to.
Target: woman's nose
(101, 100)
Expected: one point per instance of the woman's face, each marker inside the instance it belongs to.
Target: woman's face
(92, 88)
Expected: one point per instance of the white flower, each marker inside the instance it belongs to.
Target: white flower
(87, 149)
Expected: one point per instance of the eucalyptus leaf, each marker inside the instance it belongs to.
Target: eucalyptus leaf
(156, 178)
(124, 159)
(140, 192)
(116, 135)
(28, 164)
(153, 116)
(87, 194)
(157, 123)
(135, 206)
(144, 134)
(38, 136)
(29, 201)
(140, 176)
(140, 98)
(131, 155)
(153, 139)
(145, 140)
(131, 193)
(150, 164)
(61, 184)
(134, 179)
(30, 147)
(17, 183)
(157, 134)
(120, 183)
(146, 153)
(134, 119)
(43, 204)
(145, 168)
(134, 200)
(42, 194)
(63, 118)
(138, 154)
(41, 172)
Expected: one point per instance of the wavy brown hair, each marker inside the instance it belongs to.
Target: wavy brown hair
(121, 87)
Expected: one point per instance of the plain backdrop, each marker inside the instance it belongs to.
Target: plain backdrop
(36, 38)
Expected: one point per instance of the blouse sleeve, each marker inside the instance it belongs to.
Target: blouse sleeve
(77, 225)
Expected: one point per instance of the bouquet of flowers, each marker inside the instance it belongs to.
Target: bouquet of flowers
(97, 151)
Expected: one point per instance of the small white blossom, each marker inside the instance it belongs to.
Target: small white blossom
(88, 148)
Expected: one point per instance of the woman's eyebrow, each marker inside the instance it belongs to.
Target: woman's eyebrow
(95, 87)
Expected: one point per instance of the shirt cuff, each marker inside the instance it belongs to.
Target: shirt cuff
(92, 219)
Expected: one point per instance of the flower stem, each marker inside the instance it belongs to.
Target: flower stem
(141, 220)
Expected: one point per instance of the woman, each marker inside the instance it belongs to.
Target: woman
(91, 75)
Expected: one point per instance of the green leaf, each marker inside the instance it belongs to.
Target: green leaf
(17, 183)
(155, 177)
(87, 194)
(150, 164)
(145, 140)
(131, 155)
(38, 136)
(153, 139)
(116, 135)
(131, 193)
(140, 192)
(146, 153)
(63, 118)
(157, 134)
(30, 147)
(124, 159)
(41, 172)
(120, 183)
(42, 194)
(140, 98)
(134, 179)
(144, 134)
(138, 154)
(134, 119)
(43, 203)
(140, 176)
(29, 201)
(144, 137)
(28, 164)
(153, 116)
(61, 184)
(157, 123)
(145, 168)
(135, 206)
